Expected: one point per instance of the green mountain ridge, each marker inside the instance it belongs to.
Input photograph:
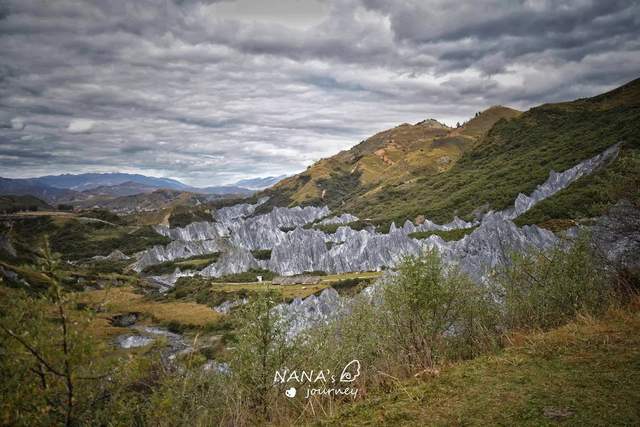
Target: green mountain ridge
(500, 153)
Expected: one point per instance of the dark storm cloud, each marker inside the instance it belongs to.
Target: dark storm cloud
(214, 91)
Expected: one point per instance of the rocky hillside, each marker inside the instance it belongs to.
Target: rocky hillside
(429, 169)
(404, 153)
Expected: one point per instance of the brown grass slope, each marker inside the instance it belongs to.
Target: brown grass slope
(393, 156)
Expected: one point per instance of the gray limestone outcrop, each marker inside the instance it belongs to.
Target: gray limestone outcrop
(235, 234)
(176, 250)
(559, 180)
(313, 310)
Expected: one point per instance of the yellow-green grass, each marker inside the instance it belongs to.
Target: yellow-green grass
(286, 291)
(124, 300)
(294, 291)
(585, 373)
(355, 275)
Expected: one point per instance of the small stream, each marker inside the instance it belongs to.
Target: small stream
(146, 335)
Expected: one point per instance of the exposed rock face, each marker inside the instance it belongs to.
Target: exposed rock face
(116, 255)
(193, 232)
(234, 261)
(489, 245)
(477, 254)
(167, 281)
(300, 250)
(313, 310)
(175, 250)
(558, 181)
(124, 320)
(226, 306)
(6, 246)
(617, 235)
(231, 232)
(148, 334)
(133, 341)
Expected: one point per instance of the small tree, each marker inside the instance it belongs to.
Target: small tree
(46, 353)
(261, 349)
(430, 311)
(545, 289)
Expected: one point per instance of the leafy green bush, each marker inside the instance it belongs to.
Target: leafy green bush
(546, 289)
(434, 313)
(262, 254)
(448, 235)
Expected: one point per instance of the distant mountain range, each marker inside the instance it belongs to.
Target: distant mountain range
(68, 188)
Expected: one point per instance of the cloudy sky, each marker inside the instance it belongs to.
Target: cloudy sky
(210, 92)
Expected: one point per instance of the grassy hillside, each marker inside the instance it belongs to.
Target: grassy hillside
(438, 172)
(404, 153)
(11, 204)
(513, 157)
(585, 373)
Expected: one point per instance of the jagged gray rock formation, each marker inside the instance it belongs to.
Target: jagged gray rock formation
(300, 250)
(226, 306)
(243, 210)
(491, 243)
(477, 254)
(6, 245)
(233, 261)
(116, 255)
(195, 231)
(165, 282)
(313, 310)
(176, 250)
(558, 181)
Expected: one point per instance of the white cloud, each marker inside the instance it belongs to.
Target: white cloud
(80, 126)
(17, 123)
(214, 93)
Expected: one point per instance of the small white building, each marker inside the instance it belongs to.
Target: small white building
(259, 279)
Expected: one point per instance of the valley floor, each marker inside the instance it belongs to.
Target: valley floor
(584, 373)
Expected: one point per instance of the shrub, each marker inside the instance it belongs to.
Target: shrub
(262, 254)
(261, 348)
(433, 313)
(546, 289)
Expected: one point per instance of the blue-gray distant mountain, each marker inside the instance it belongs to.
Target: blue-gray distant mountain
(87, 186)
(29, 187)
(88, 181)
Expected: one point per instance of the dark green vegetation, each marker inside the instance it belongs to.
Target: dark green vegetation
(12, 204)
(82, 238)
(197, 262)
(201, 290)
(448, 235)
(332, 228)
(351, 287)
(514, 157)
(183, 215)
(590, 196)
(262, 254)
